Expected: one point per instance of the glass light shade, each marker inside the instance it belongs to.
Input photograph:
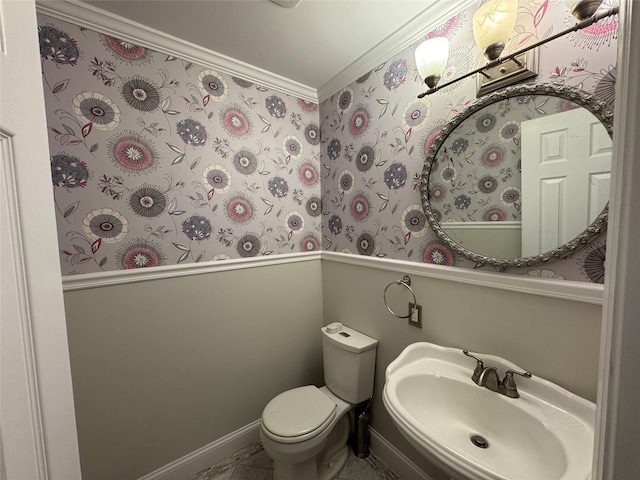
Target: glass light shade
(493, 22)
(432, 56)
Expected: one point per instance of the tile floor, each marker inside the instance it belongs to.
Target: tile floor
(253, 463)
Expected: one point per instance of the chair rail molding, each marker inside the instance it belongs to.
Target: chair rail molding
(564, 289)
(119, 277)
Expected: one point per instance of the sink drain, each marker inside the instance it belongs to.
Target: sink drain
(479, 441)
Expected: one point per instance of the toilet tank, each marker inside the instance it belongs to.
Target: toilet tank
(349, 359)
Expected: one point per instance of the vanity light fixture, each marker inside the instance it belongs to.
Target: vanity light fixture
(520, 65)
(584, 8)
(431, 59)
(492, 26)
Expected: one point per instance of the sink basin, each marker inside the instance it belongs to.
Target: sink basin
(475, 434)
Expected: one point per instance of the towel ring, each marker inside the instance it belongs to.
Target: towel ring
(406, 283)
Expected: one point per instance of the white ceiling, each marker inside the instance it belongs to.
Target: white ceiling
(309, 44)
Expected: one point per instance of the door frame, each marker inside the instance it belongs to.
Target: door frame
(617, 415)
(38, 432)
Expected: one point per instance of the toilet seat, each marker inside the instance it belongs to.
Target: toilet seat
(298, 414)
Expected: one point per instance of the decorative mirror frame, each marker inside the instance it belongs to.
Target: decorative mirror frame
(586, 100)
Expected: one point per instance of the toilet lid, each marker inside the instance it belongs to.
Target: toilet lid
(297, 412)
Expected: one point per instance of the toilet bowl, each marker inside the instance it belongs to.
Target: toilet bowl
(305, 430)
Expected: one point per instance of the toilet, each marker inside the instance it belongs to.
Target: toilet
(305, 430)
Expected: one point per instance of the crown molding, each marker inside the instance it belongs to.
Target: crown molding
(93, 18)
(432, 16)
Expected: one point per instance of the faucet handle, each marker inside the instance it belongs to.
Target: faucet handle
(479, 366)
(511, 373)
(509, 384)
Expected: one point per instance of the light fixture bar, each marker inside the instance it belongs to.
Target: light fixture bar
(498, 61)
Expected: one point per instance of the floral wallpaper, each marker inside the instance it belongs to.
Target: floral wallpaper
(159, 161)
(375, 134)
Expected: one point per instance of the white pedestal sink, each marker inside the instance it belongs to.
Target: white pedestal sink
(477, 434)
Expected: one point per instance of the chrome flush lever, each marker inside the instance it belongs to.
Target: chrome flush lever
(479, 366)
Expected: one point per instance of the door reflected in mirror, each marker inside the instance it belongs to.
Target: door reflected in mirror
(522, 176)
(566, 170)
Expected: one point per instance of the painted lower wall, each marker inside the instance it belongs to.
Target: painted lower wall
(163, 367)
(554, 338)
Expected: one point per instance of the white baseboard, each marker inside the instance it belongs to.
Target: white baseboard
(223, 448)
(395, 459)
(209, 455)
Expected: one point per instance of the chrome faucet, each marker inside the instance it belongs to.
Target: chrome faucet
(488, 377)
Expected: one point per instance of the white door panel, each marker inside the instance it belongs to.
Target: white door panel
(566, 164)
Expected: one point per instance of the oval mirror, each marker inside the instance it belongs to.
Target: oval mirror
(521, 176)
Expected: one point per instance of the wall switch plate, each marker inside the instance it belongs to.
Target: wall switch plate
(415, 319)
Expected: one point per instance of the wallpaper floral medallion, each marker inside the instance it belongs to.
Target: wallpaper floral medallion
(376, 132)
(158, 161)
